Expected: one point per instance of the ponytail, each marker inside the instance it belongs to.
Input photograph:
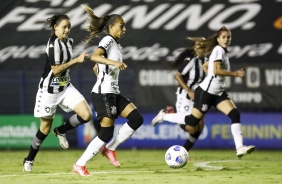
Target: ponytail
(96, 24)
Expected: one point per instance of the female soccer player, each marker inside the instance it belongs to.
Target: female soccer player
(107, 100)
(211, 92)
(189, 75)
(56, 90)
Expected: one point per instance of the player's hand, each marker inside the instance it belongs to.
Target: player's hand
(120, 66)
(191, 95)
(82, 57)
(240, 73)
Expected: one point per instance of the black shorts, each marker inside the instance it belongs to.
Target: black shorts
(109, 105)
(204, 100)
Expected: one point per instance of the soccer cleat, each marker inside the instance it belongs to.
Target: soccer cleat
(27, 165)
(62, 138)
(245, 150)
(111, 156)
(81, 170)
(158, 118)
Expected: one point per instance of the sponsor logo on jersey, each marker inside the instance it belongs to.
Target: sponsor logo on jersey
(60, 81)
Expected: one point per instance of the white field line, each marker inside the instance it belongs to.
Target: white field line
(206, 166)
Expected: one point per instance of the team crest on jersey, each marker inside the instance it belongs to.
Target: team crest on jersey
(51, 45)
(205, 107)
(114, 110)
(47, 109)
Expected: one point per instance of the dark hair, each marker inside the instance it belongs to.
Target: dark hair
(98, 24)
(187, 53)
(211, 42)
(223, 28)
(56, 19)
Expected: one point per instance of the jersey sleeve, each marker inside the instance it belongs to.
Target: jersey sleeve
(54, 51)
(218, 54)
(106, 44)
(185, 67)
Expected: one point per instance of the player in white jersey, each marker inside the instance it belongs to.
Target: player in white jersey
(211, 92)
(56, 90)
(189, 75)
(107, 100)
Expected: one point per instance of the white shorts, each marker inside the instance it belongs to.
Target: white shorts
(46, 103)
(183, 104)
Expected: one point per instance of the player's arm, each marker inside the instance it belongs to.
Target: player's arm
(219, 71)
(57, 69)
(98, 57)
(205, 67)
(95, 69)
(178, 76)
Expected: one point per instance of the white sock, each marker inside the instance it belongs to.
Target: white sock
(191, 139)
(178, 118)
(124, 133)
(237, 134)
(91, 151)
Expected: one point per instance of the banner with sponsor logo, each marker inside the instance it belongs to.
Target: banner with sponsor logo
(262, 130)
(156, 33)
(18, 131)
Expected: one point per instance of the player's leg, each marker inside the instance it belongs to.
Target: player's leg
(45, 126)
(226, 106)
(192, 138)
(45, 108)
(127, 110)
(202, 103)
(183, 107)
(105, 135)
(106, 117)
(72, 100)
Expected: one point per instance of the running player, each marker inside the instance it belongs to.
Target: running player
(55, 89)
(189, 75)
(107, 100)
(212, 92)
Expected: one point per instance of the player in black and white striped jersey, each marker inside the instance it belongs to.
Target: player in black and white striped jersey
(107, 100)
(55, 88)
(189, 75)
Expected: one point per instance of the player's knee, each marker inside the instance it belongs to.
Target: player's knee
(106, 133)
(86, 116)
(190, 129)
(234, 115)
(191, 120)
(135, 119)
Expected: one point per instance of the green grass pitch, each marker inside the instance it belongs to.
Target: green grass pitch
(144, 166)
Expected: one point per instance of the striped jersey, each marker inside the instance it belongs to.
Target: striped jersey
(107, 78)
(215, 84)
(57, 52)
(192, 72)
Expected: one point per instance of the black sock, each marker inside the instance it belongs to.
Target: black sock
(65, 127)
(188, 144)
(73, 122)
(32, 153)
(39, 137)
(183, 127)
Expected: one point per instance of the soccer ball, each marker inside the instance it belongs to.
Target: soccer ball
(176, 156)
